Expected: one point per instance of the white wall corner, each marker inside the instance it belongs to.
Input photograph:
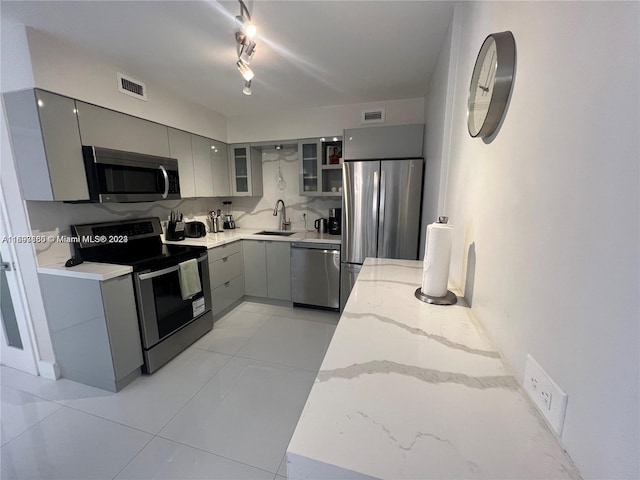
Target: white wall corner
(49, 370)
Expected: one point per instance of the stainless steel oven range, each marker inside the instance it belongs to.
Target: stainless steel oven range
(168, 323)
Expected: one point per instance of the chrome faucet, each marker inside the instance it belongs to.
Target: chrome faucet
(283, 219)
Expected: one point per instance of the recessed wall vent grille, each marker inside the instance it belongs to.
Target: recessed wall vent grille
(131, 86)
(374, 115)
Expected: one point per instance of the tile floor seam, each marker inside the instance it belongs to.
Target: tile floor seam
(109, 420)
(194, 395)
(268, 362)
(134, 457)
(213, 453)
(35, 424)
(58, 402)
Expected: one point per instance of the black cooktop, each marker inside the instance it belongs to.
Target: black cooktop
(142, 250)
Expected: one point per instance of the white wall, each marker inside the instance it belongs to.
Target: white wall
(437, 117)
(71, 71)
(549, 212)
(315, 122)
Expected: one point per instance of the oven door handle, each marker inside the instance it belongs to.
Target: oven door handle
(164, 271)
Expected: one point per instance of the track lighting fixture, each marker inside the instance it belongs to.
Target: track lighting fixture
(246, 72)
(246, 48)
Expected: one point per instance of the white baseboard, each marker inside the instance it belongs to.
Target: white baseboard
(49, 370)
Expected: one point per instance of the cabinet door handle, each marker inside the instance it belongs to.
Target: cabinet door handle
(226, 284)
(225, 259)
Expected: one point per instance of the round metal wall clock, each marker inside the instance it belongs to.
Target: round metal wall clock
(491, 84)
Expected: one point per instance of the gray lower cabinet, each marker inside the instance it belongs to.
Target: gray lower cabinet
(94, 328)
(278, 270)
(267, 269)
(106, 128)
(225, 276)
(255, 268)
(46, 144)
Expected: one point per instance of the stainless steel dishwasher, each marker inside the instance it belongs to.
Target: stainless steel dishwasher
(315, 275)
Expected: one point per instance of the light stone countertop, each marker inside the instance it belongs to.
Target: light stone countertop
(87, 270)
(212, 240)
(105, 271)
(417, 391)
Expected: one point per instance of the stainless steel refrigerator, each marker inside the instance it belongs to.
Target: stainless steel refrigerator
(380, 214)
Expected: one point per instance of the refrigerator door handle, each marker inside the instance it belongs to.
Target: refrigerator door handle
(381, 209)
(376, 191)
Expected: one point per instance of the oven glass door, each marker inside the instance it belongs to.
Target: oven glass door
(161, 308)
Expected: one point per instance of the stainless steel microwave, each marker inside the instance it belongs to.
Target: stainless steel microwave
(117, 176)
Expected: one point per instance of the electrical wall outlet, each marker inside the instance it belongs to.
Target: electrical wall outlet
(550, 399)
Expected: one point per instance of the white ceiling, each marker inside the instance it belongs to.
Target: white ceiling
(310, 53)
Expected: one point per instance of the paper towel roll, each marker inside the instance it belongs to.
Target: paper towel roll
(435, 274)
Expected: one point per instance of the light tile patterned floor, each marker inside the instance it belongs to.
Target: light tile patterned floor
(223, 409)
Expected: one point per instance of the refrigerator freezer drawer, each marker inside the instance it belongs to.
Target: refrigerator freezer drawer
(315, 275)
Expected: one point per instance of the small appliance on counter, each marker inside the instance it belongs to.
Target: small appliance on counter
(175, 227)
(195, 229)
(214, 221)
(335, 221)
(320, 225)
(228, 216)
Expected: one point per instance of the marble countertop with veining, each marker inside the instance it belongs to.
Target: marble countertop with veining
(417, 391)
(212, 240)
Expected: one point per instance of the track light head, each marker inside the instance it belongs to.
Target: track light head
(246, 72)
(247, 88)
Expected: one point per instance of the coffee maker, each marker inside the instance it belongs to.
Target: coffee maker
(228, 216)
(335, 221)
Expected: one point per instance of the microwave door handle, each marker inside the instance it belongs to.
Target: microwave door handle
(166, 181)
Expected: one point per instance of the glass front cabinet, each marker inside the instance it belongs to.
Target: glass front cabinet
(246, 171)
(320, 166)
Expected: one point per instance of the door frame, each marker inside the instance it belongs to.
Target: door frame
(22, 359)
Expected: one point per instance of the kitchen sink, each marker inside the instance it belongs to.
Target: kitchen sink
(277, 233)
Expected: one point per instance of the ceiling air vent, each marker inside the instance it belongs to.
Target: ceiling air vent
(131, 86)
(373, 115)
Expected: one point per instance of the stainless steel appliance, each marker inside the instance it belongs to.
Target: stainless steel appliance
(315, 275)
(195, 229)
(321, 225)
(335, 221)
(117, 176)
(228, 223)
(168, 323)
(381, 213)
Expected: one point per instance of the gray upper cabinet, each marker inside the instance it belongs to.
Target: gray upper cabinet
(220, 169)
(400, 141)
(202, 166)
(246, 171)
(46, 144)
(180, 148)
(101, 127)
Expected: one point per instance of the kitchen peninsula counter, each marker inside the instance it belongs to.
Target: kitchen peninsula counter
(417, 391)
